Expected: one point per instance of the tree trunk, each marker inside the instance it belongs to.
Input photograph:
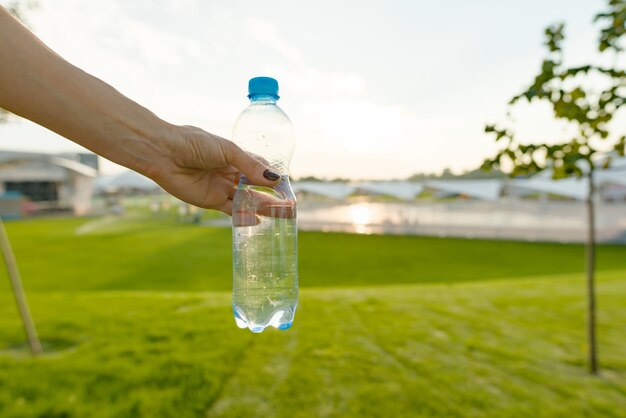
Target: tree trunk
(592, 355)
(18, 291)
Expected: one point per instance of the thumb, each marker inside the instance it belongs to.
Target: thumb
(253, 169)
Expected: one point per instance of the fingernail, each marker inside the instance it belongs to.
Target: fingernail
(270, 175)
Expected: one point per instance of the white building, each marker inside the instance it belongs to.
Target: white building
(51, 182)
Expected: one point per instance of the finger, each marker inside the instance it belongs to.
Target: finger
(257, 172)
(231, 195)
(226, 207)
(270, 206)
(245, 218)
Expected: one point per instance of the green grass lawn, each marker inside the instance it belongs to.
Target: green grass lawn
(160, 254)
(135, 316)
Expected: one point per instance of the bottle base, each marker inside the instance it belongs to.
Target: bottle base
(281, 320)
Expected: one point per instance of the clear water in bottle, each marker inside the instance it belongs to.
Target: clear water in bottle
(265, 243)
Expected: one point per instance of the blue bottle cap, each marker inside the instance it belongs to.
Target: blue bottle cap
(263, 85)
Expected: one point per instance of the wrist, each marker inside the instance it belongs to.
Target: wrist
(149, 146)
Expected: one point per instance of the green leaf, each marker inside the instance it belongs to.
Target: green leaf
(554, 36)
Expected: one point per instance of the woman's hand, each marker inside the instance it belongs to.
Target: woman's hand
(203, 169)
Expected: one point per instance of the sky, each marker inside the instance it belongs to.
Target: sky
(375, 89)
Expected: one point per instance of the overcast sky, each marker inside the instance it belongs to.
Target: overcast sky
(376, 89)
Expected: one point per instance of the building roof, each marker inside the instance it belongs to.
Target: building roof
(75, 166)
(333, 190)
(575, 188)
(32, 166)
(406, 190)
(487, 189)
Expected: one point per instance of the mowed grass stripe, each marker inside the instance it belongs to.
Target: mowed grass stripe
(497, 355)
(503, 349)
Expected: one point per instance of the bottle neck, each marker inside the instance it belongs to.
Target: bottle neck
(263, 98)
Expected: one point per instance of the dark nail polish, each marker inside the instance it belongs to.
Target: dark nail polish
(270, 175)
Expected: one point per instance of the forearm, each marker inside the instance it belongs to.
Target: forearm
(41, 86)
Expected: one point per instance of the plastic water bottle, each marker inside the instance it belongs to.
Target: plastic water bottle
(265, 240)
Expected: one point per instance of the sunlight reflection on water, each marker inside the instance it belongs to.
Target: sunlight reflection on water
(360, 216)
